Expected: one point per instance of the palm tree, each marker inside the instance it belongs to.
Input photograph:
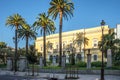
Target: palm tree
(109, 42)
(64, 8)
(80, 39)
(26, 33)
(47, 26)
(15, 21)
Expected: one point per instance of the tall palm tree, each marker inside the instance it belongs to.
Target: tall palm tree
(26, 32)
(64, 8)
(80, 39)
(15, 21)
(46, 26)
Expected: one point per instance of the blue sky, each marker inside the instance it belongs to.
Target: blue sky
(87, 13)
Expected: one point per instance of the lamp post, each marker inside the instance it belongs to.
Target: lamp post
(102, 66)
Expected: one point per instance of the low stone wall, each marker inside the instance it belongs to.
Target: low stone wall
(107, 72)
(95, 72)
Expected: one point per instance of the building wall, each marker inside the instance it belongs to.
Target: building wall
(93, 34)
(118, 31)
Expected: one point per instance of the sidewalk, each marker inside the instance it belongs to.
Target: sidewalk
(40, 76)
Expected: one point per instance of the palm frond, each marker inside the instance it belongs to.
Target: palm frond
(66, 6)
(15, 21)
(44, 21)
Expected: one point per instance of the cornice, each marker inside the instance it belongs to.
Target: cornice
(73, 33)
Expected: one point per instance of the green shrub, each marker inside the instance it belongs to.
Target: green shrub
(97, 64)
(68, 65)
(81, 64)
(3, 65)
(49, 63)
(116, 59)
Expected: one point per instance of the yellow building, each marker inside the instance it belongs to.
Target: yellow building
(93, 34)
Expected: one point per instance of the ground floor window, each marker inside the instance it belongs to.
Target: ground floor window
(95, 57)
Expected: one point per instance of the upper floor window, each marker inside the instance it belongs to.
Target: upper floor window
(95, 43)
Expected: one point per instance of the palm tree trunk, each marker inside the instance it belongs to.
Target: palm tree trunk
(60, 38)
(15, 56)
(5, 58)
(44, 45)
(26, 45)
(27, 53)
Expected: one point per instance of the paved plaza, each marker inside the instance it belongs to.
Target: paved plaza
(9, 75)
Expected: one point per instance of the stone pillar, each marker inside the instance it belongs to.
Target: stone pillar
(41, 62)
(109, 58)
(67, 58)
(63, 61)
(9, 63)
(54, 60)
(88, 59)
(22, 63)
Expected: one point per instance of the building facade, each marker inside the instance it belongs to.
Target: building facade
(117, 31)
(93, 34)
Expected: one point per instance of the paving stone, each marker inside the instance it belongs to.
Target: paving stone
(44, 76)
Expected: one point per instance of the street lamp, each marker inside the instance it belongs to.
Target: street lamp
(102, 66)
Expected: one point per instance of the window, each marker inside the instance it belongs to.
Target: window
(95, 57)
(95, 43)
(79, 57)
